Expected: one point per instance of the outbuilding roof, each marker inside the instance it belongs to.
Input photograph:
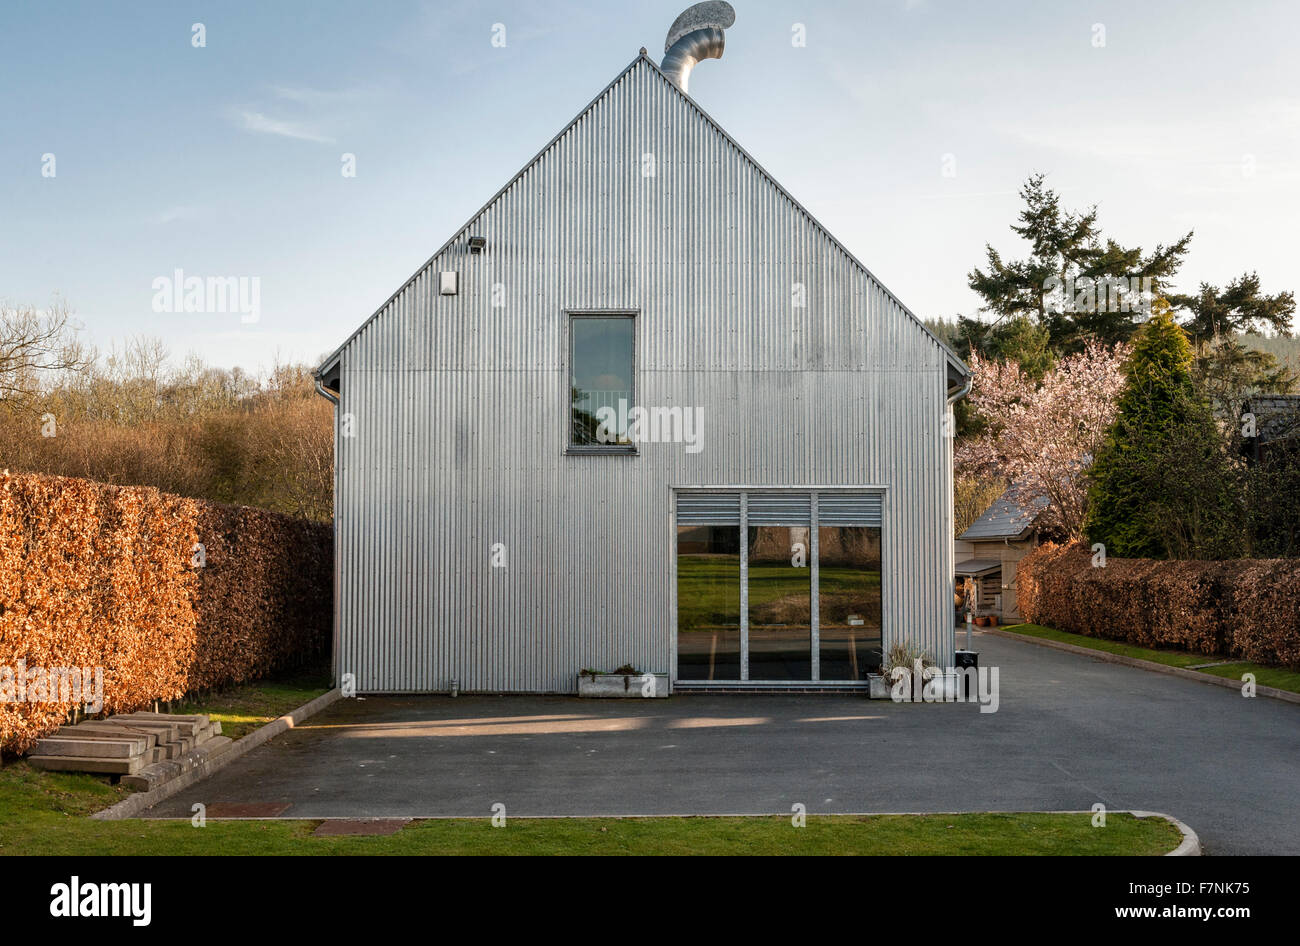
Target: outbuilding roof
(1010, 516)
(975, 567)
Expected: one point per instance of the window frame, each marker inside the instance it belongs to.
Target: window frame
(612, 449)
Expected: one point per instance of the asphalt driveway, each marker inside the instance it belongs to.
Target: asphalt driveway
(1070, 732)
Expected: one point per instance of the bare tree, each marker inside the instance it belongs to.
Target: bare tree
(36, 346)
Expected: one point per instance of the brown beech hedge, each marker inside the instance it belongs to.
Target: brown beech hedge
(1247, 608)
(168, 595)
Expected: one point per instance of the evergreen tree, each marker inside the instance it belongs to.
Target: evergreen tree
(1215, 322)
(1067, 249)
(1163, 484)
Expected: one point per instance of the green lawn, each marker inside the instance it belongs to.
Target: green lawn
(1264, 676)
(1277, 677)
(44, 813)
(244, 708)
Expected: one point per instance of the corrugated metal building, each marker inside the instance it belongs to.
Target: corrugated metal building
(485, 536)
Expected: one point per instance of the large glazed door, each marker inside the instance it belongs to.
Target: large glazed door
(778, 586)
(708, 586)
(779, 554)
(848, 582)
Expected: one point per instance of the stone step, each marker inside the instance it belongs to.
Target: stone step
(151, 776)
(215, 747)
(80, 764)
(101, 730)
(199, 719)
(186, 725)
(159, 773)
(92, 748)
(176, 748)
(167, 732)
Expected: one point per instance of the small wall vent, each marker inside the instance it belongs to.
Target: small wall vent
(447, 283)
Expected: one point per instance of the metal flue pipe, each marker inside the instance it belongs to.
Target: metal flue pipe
(694, 36)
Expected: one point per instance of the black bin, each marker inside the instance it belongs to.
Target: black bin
(965, 659)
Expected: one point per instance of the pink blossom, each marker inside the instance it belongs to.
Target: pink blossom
(1043, 435)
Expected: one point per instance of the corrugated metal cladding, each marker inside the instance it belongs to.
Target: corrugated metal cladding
(807, 371)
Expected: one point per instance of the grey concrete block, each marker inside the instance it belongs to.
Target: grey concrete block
(213, 747)
(185, 725)
(198, 719)
(77, 764)
(103, 730)
(630, 686)
(166, 732)
(90, 748)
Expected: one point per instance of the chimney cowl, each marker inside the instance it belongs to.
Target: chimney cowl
(695, 35)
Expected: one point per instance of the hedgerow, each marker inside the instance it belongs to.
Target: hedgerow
(1247, 608)
(167, 595)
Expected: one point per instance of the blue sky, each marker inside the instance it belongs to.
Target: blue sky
(225, 160)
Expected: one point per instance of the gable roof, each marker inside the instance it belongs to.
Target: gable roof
(955, 364)
(1010, 516)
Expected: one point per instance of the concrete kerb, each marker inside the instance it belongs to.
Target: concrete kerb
(1273, 692)
(1191, 844)
(132, 805)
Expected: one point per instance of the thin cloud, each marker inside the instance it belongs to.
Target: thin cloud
(263, 124)
(172, 214)
(318, 97)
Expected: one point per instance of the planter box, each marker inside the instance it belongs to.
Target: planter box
(622, 686)
(942, 685)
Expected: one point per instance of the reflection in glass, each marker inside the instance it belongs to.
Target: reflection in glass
(780, 604)
(708, 603)
(600, 376)
(848, 602)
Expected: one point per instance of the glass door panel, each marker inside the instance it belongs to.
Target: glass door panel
(848, 601)
(708, 602)
(780, 603)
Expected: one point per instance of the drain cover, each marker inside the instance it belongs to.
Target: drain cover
(359, 826)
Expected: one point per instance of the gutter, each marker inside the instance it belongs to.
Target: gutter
(333, 397)
(330, 395)
(952, 398)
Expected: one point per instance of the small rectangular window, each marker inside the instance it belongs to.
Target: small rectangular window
(601, 382)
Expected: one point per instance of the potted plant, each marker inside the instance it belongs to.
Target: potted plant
(901, 656)
(627, 682)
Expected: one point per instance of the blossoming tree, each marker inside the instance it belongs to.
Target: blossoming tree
(1043, 434)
